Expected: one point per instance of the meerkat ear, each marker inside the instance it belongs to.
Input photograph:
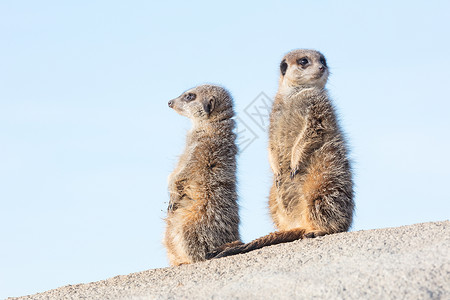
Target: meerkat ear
(208, 105)
(283, 67)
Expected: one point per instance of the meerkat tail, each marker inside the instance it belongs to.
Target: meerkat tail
(273, 238)
(222, 248)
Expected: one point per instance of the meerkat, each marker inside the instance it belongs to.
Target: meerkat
(312, 191)
(203, 211)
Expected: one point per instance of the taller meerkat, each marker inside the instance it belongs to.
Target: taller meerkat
(203, 210)
(312, 191)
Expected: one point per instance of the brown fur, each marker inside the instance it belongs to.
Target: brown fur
(312, 192)
(203, 210)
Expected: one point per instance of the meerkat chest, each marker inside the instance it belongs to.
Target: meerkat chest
(184, 162)
(288, 126)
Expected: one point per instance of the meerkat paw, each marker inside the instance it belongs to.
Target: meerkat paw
(294, 171)
(278, 180)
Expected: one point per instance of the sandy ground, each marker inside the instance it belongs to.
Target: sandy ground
(409, 262)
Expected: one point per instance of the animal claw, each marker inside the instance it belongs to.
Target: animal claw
(278, 181)
(294, 172)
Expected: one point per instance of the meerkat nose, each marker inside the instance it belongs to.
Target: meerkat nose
(322, 68)
(170, 103)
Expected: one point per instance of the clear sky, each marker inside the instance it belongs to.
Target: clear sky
(87, 140)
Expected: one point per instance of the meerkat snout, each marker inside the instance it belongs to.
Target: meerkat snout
(170, 103)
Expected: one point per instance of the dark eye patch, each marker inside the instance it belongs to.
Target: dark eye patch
(323, 61)
(190, 97)
(283, 67)
(302, 61)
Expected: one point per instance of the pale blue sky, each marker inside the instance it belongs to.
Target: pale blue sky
(87, 139)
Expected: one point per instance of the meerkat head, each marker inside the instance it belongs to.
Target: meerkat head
(303, 67)
(204, 102)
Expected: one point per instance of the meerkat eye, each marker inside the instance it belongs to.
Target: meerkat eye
(283, 67)
(190, 97)
(323, 61)
(302, 61)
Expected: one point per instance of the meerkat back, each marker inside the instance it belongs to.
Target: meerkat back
(203, 211)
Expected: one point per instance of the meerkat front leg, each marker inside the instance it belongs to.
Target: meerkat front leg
(274, 165)
(307, 141)
(176, 193)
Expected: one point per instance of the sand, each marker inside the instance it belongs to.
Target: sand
(408, 262)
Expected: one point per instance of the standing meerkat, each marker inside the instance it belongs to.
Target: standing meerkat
(312, 191)
(203, 210)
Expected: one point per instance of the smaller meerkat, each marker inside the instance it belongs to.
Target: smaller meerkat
(203, 210)
(312, 191)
